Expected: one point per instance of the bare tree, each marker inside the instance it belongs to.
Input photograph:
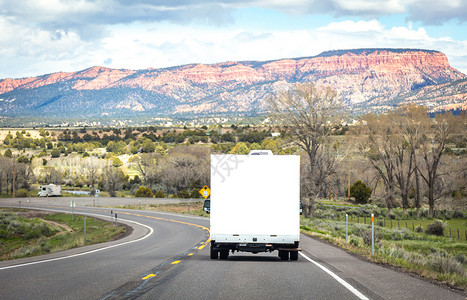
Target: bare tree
(50, 175)
(414, 123)
(92, 168)
(307, 111)
(432, 145)
(113, 179)
(378, 149)
(145, 164)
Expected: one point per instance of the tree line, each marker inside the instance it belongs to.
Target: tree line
(403, 155)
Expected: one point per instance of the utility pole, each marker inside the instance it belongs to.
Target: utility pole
(348, 185)
(14, 175)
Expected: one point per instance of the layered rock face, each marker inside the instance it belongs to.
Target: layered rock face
(373, 76)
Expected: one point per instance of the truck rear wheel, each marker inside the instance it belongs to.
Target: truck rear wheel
(224, 254)
(293, 255)
(284, 255)
(214, 253)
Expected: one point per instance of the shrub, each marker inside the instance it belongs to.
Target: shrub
(22, 193)
(354, 242)
(360, 191)
(436, 228)
(446, 264)
(184, 194)
(159, 194)
(144, 192)
(3, 234)
(366, 235)
(116, 162)
(195, 193)
(460, 258)
(419, 229)
(55, 153)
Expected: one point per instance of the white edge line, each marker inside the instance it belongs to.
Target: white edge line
(337, 278)
(88, 252)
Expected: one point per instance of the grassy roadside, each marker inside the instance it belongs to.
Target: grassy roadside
(192, 208)
(438, 258)
(26, 233)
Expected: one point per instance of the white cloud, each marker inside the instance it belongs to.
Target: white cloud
(44, 36)
(351, 26)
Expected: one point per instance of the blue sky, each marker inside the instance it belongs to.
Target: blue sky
(46, 36)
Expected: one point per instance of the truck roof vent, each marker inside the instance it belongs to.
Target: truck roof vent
(260, 152)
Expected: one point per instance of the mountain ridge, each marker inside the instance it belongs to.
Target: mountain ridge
(373, 77)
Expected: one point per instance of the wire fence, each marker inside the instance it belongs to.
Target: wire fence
(413, 225)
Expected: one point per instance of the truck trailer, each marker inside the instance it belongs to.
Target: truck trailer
(255, 203)
(50, 190)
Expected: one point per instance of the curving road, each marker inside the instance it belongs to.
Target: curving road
(167, 257)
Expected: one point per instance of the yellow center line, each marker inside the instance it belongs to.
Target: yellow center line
(149, 276)
(190, 254)
(201, 247)
(175, 262)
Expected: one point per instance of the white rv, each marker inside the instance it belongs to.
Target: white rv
(50, 190)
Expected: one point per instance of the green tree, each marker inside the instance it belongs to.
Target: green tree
(116, 162)
(144, 192)
(160, 150)
(360, 191)
(8, 153)
(159, 194)
(55, 153)
(148, 146)
(240, 148)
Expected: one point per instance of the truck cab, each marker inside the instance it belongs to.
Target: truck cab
(207, 206)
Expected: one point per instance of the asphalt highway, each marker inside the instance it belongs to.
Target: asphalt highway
(167, 257)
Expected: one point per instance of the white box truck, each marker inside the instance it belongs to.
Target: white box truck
(50, 190)
(255, 203)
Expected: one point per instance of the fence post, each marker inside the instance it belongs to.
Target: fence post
(372, 234)
(458, 236)
(449, 231)
(116, 222)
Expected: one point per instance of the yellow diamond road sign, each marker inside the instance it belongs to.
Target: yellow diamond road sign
(205, 192)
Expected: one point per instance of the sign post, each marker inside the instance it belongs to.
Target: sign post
(84, 230)
(205, 192)
(72, 204)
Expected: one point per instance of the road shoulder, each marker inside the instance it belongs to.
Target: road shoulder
(367, 276)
